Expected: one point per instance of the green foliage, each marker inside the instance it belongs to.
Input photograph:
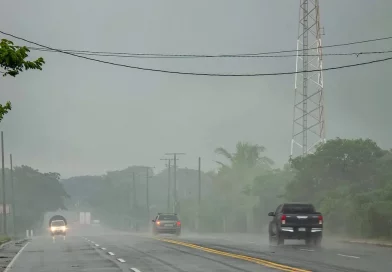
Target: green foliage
(4, 109)
(35, 194)
(112, 197)
(13, 61)
(4, 239)
(350, 181)
(231, 203)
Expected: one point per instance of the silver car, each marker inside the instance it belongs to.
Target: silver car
(166, 223)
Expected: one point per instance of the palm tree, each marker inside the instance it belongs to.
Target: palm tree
(246, 154)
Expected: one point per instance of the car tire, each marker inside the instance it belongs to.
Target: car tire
(178, 233)
(317, 242)
(279, 239)
(270, 240)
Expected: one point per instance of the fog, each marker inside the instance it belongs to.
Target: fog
(98, 125)
(78, 117)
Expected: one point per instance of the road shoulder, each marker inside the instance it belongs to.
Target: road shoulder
(379, 243)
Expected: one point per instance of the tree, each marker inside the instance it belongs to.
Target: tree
(350, 181)
(35, 194)
(13, 61)
(246, 154)
(234, 179)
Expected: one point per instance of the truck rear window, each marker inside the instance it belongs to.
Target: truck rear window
(298, 208)
(168, 217)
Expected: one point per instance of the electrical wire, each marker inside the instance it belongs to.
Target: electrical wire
(123, 55)
(219, 55)
(192, 73)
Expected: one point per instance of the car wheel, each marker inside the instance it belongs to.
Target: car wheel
(270, 240)
(317, 242)
(279, 239)
(178, 233)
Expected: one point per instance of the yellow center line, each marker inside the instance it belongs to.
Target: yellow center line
(237, 256)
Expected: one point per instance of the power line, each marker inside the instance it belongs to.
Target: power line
(192, 73)
(130, 55)
(149, 55)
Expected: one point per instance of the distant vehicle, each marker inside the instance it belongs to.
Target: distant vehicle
(166, 223)
(298, 221)
(58, 227)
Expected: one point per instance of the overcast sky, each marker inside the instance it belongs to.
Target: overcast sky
(78, 117)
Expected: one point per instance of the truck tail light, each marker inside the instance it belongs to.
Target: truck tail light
(320, 218)
(178, 223)
(283, 218)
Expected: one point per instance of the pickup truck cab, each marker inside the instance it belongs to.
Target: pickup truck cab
(296, 221)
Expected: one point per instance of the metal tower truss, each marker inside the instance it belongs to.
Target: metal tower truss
(308, 117)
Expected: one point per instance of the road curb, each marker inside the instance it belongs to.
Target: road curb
(6, 244)
(13, 241)
(380, 244)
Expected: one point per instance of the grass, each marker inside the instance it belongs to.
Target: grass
(4, 239)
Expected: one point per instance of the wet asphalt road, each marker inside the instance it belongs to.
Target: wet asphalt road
(115, 251)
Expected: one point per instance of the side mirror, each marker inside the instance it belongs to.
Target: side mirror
(153, 220)
(271, 214)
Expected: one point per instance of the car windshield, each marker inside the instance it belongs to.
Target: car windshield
(168, 217)
(58, 223)
(298, 208)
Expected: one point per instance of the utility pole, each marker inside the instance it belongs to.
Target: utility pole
(175, 208)
(148, 192)
(199, 176)
(199, 197)
(13, 197)
(168, 184)
(3, 177)
(308, 114)
(168, 181)
(134, 202)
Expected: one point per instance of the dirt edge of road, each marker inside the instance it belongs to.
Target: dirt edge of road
(368, 242)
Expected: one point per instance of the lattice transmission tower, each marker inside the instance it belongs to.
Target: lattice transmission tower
(308, 117)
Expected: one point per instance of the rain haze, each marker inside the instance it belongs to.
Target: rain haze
(79, 117)
(158, 135)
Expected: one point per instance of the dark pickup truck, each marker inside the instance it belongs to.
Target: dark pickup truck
(297, 221)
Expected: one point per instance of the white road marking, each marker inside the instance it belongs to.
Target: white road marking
(103, 248)
(135, 269)
(304, 249)
(111, 253)
(9, 266)
(121, 260)
(96, 245)
(348, 256)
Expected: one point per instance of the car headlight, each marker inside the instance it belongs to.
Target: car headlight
(52, 228)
